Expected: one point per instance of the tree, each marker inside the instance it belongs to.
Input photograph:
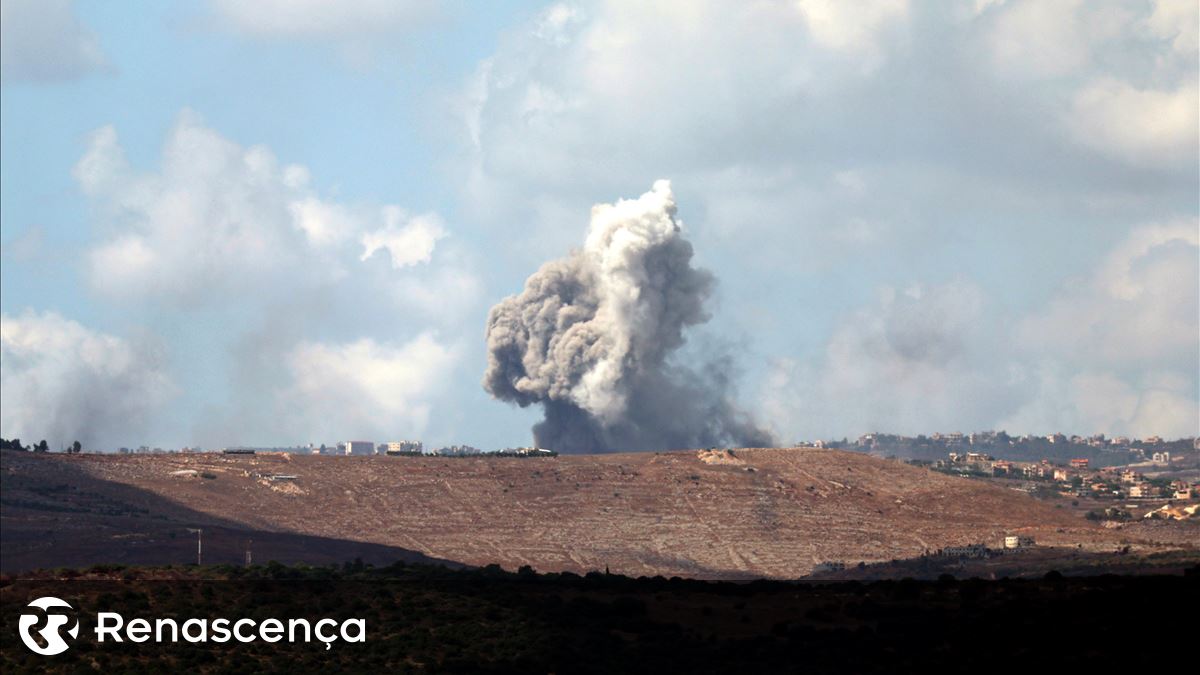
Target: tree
(42, 446)
(76, 448)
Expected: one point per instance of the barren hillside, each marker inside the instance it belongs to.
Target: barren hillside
(749, 513)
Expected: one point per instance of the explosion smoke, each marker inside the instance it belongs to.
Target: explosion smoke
(590, 336)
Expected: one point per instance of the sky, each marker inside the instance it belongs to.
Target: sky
(280, 223)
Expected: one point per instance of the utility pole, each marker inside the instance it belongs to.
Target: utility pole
(199, 544)
(249, 558)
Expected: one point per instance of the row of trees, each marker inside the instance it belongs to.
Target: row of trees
(40, 446)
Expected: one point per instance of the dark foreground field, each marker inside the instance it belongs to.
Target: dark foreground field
(430, 619)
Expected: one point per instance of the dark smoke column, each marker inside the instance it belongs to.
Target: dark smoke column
(590, 336)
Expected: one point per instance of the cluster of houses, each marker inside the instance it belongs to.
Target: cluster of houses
(1077, 477)
(1001, 438)
(392, 448)
(1057, 446)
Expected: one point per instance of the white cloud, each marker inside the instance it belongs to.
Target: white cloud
(342, 19)
(600, 84)
(243, 254)
(1177, 21)
(64, 382)
(43, 41)
(1032, 39)
(553, 23)
(851, 26)
(366, 388)
(323, 223)
(407, 244)
(1139, 309)
(1118, 352)
(751, 107)
(214, 219)
(1121, 75)
(448, 293)
(1149, 127)
(219, 220)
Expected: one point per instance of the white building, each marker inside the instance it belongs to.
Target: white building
(403, 447)
(1014, 541)
(359, 447)
(1142, 491)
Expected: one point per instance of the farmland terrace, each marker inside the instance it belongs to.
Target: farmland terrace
(707, 514)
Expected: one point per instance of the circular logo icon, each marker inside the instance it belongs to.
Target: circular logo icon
(49, 624)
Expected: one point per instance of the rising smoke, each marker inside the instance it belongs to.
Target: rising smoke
(590, 339)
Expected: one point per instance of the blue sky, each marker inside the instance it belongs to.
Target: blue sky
(921, 216)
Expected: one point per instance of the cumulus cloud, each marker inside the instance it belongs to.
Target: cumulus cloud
(217, 218)
(365, 388)
(1119, 350)
(1130, 69)
(1177, 22)
(561, 90)
(804, 88)
(406, 244)
(839, 25)
(44, 41)
(62, 381)
(298, 289)
(1034, 40)
(1139, 309)
(1149, 127)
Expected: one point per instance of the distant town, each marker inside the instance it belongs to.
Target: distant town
(956, 451)
(344, 448)
(1114, 475)
(1098, 449)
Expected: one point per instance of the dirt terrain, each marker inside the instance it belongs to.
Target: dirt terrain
(740, 514)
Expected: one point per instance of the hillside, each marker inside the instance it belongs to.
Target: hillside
(750, 513)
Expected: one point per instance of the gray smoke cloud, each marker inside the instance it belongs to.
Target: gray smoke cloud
(590, 336)
(63, 382)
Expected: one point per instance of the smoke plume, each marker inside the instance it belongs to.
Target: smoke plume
(63, 382)
(591, 335)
